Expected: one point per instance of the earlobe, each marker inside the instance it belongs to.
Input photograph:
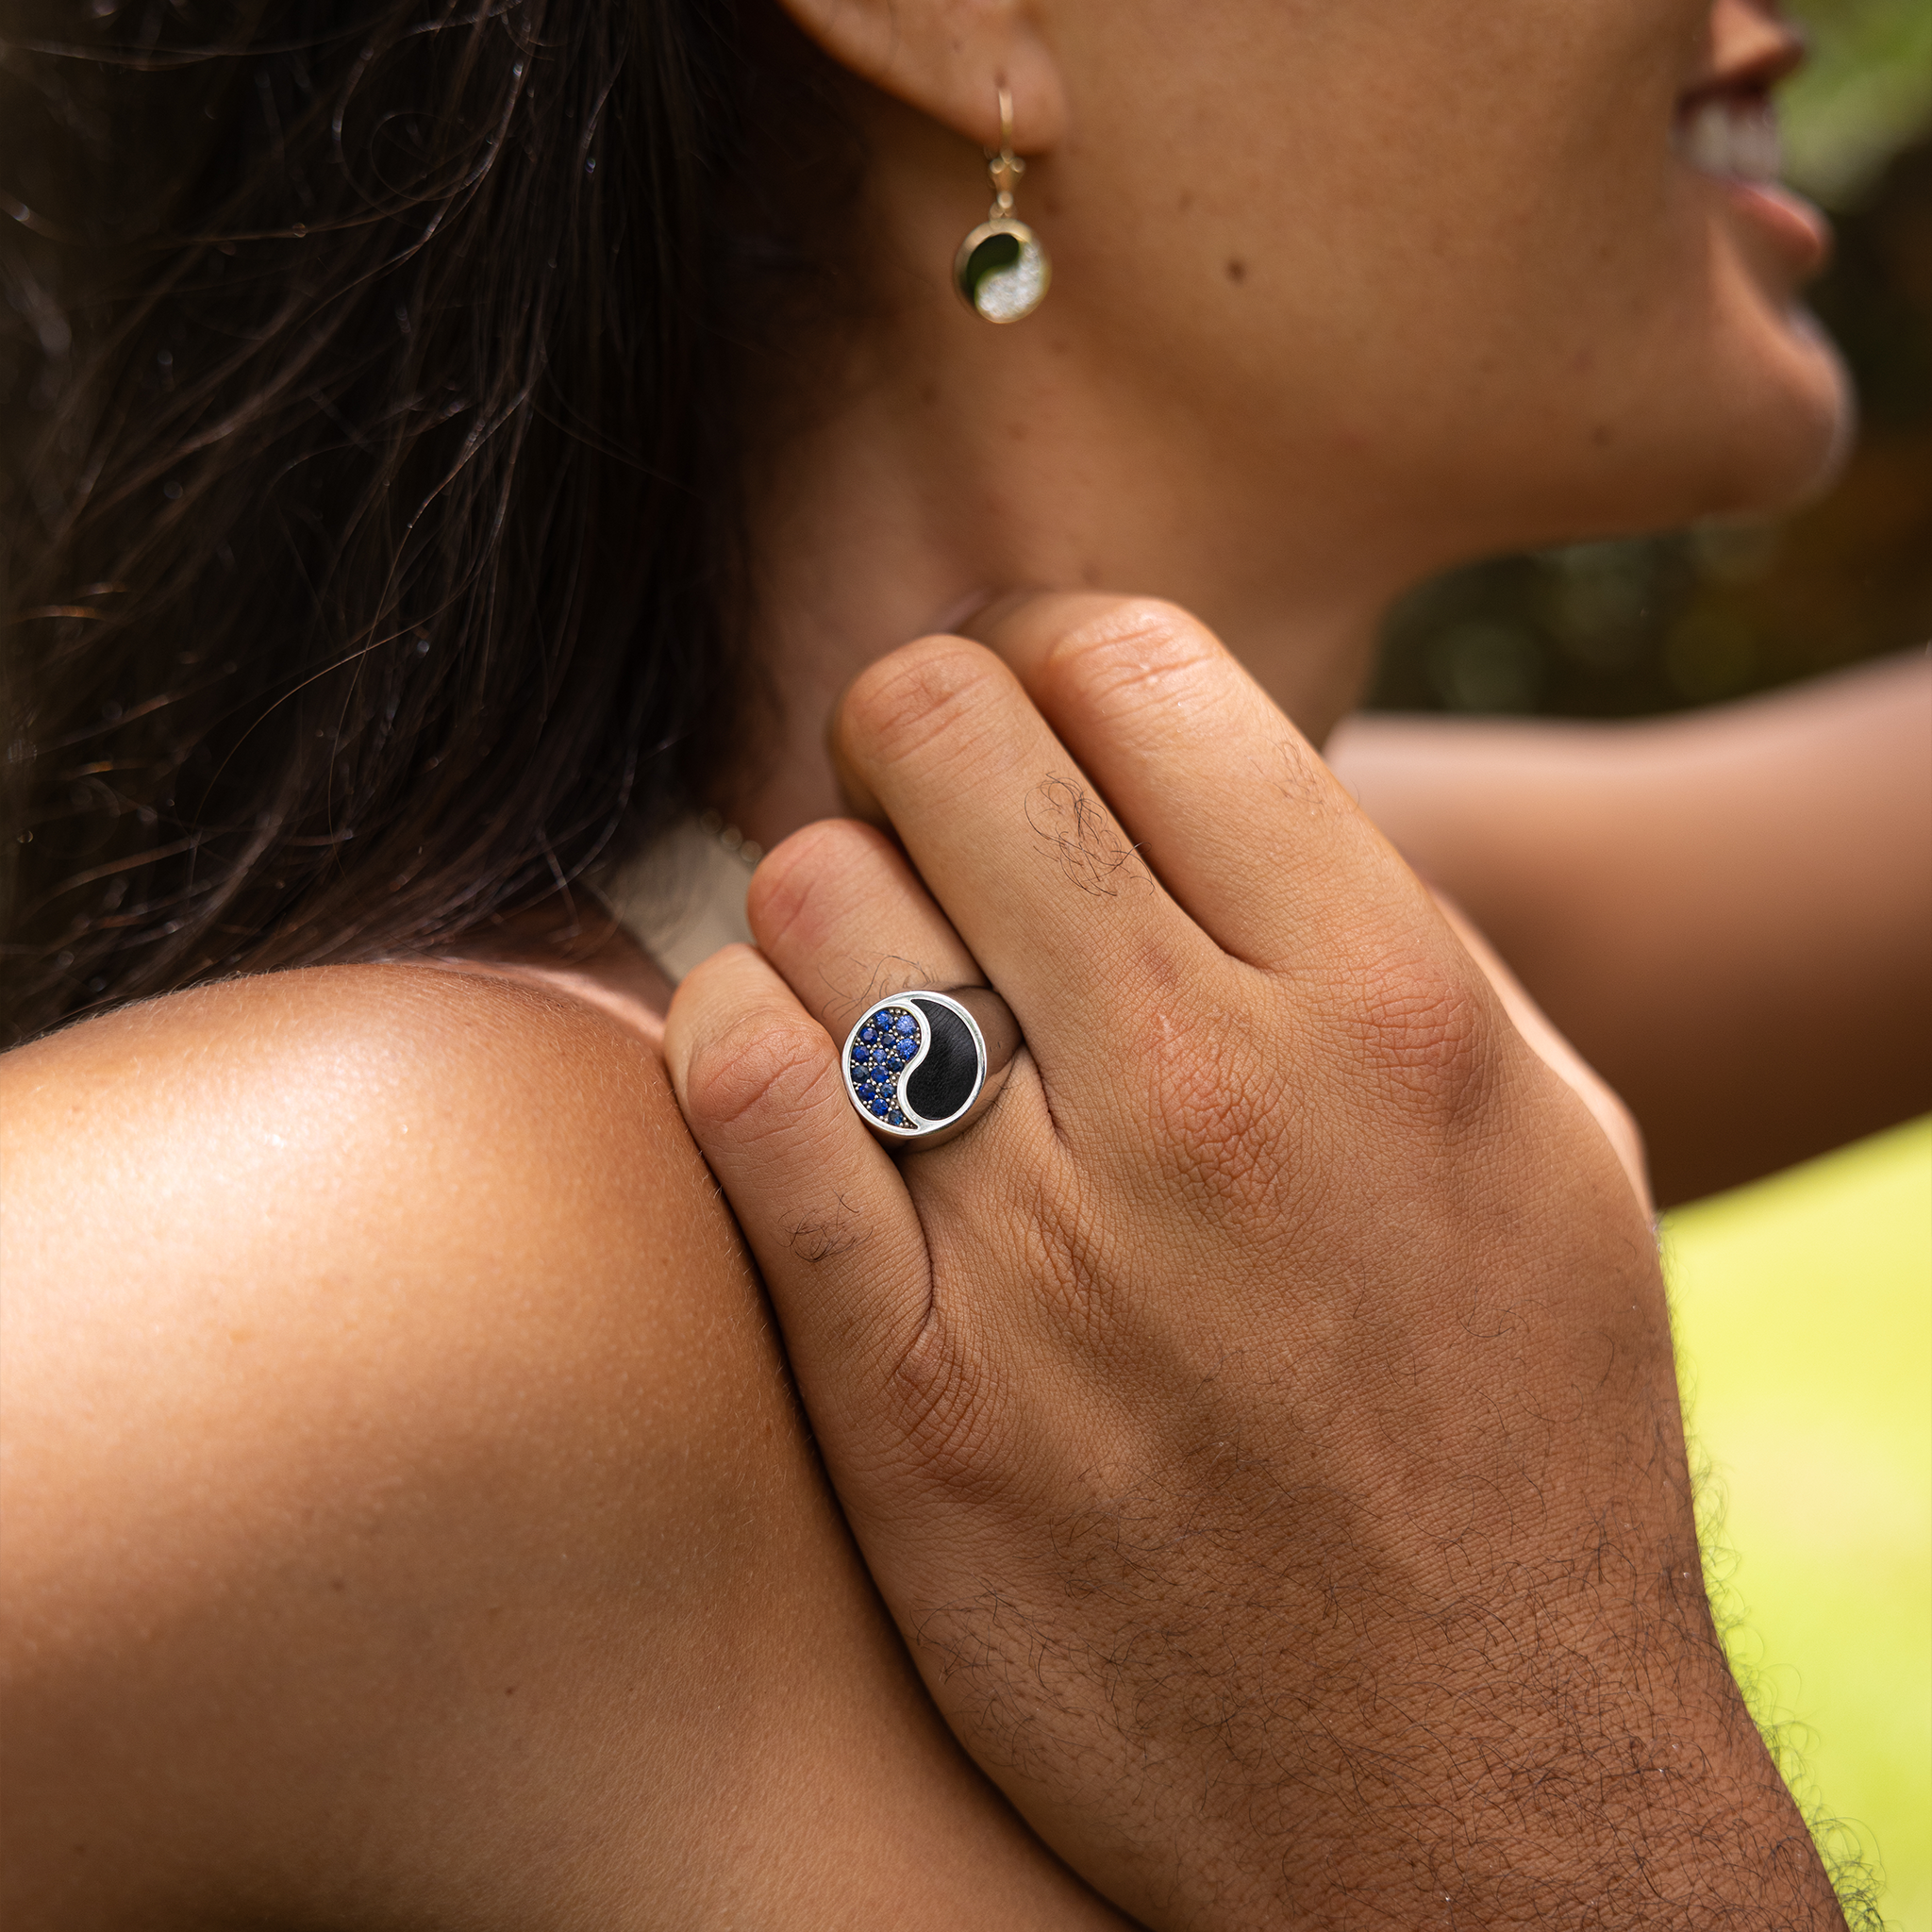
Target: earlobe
(948, 59)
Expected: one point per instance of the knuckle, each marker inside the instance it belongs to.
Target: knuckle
(781, 890)
(916, 695)
(764, 1073)
(1140, 628)
(1421, 1031)
(1132, 654)
(1220, 1103)
(804, 886)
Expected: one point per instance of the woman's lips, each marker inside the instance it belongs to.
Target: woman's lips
(1731, 136)
(1797, 229)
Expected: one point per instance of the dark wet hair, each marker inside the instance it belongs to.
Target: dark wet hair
(379, 567)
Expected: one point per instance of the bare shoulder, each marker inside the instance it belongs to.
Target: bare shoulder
(409, 1516)
(378, 1184)
(330, 1121)
(366, 1331)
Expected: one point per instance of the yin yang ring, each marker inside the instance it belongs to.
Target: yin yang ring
(921, 1066)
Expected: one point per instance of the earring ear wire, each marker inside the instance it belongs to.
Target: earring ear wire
(1001, 271)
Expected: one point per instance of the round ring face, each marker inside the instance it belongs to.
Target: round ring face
(914, 1063)
(1001, 271)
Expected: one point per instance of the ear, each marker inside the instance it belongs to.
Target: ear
(949, 58)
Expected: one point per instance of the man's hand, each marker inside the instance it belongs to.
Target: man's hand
(1262, 1424)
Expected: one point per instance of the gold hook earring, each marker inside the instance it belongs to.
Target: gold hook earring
(1001, 271)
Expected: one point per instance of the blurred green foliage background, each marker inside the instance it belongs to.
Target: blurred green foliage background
(1865, 95)
(1802, 1311)
(1688, 618)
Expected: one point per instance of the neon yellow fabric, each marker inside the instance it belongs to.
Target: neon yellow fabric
(1802, 1314)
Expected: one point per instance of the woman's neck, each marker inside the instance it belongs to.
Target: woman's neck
(932, 489)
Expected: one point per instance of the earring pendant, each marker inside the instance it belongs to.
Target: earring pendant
(1001, 271)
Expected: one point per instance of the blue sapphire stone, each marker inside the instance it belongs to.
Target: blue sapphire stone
(886, 1045)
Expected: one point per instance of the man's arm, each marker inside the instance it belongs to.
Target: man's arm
(1729, 913)
(1262, 1423)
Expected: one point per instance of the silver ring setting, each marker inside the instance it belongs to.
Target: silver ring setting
(923, 1066)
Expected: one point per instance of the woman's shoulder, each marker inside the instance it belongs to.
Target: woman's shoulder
(375, 1339)
(453, 1153)
(373, 1100)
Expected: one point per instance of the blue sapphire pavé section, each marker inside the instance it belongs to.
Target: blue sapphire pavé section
(880, 1053)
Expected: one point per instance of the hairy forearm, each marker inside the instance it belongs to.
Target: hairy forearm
(1532, 1723)
(1263, 1425)
(1577, 1764)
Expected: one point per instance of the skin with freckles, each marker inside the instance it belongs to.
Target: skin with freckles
(409, 1517)
(1325, 318)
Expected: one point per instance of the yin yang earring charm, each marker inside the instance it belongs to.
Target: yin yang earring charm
(1001, 271)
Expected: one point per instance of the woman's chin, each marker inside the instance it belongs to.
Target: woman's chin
(1751, 426)
(1766, 432)
(1794, 426)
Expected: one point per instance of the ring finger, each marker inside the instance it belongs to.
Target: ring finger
(842, 916)
(843, 921)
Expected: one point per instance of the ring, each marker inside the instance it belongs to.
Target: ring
(923, 1066)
